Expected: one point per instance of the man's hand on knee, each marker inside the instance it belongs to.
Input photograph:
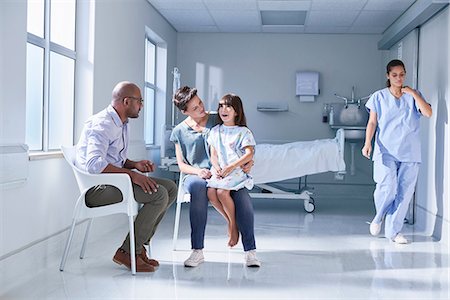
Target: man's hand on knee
(146, 183)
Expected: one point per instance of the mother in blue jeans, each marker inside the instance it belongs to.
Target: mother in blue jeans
(192, 153)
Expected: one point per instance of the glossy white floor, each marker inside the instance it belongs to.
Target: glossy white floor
(328, 255)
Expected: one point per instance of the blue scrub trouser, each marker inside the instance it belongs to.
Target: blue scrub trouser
(394, 190)
(198, 212)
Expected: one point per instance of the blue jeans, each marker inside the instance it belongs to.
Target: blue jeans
(198, 213)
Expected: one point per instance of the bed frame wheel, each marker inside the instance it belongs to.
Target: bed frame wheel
(309, 205)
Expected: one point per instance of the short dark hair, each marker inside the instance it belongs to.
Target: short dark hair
(390, 65)
(235, 102)
(182, 96)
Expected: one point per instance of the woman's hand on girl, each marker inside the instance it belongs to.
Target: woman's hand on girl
(248, 166)
(204, 173)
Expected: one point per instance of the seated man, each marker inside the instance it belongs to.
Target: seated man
(102, 148)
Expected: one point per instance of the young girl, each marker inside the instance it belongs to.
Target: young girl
(231, 145)
(394, 114)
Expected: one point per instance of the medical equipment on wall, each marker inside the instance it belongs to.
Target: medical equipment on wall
(272, 106)
(167, 147)
(175, 86)
(331, 116)
(325, 112)
(352, 100)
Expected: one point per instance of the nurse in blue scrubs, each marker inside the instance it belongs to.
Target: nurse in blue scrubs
(394, 119)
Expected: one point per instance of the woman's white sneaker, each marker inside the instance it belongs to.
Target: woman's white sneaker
(251, 260)
(195, 258)
(400, 239)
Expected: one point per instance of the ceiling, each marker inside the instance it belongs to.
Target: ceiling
(322, 16)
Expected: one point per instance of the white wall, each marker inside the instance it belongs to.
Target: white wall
(12, 70)
(262, 68)
(119, 54)
(43, 205)
(433, 200)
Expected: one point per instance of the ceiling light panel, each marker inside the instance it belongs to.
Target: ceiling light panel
(272, 17)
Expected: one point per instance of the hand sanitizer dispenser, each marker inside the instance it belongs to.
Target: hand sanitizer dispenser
(331, 118)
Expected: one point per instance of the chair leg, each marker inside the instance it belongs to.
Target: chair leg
(66, 249)
(132, 246)
(88, 228)
(177, 225)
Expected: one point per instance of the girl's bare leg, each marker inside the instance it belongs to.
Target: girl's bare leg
(228, 205)
(212, 196)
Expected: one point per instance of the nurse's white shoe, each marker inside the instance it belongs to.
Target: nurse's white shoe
(375, 228)
(400, 239)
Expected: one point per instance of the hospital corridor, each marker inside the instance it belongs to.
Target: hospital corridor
(224, 149)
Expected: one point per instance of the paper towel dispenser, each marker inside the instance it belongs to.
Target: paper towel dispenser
(307, 84)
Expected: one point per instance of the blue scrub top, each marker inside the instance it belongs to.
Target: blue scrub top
(397, 134)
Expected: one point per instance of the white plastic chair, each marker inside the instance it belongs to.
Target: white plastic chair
(85, 181)
(182, 197)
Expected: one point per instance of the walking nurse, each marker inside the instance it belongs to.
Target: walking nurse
(395, 113)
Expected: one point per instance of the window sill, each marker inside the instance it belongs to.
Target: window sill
(45, 155)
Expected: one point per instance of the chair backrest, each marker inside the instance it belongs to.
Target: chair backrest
(70, 154)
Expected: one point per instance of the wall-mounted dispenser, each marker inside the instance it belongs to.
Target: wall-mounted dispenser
(272, 106)
(307, 85)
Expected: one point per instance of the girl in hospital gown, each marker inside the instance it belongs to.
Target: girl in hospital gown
(231, 145)
(395, 113)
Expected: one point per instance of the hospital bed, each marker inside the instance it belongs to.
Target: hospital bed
(278, 162)
(273, 163)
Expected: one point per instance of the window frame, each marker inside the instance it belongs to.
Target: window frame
(49, 47)
(152, 86)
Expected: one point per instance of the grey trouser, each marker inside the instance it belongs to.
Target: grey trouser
(149, 216)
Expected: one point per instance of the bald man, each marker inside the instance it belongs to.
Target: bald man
(102, 148)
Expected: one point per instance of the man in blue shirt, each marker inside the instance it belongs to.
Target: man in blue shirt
(102, 148)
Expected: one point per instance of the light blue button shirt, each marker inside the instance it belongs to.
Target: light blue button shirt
(398, 120)
(103, 141)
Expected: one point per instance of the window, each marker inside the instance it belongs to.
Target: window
(150, 90)
(51, 61)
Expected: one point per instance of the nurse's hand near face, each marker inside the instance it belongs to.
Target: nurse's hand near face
(408, 90)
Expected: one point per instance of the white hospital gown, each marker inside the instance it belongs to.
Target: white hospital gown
(229, 142)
